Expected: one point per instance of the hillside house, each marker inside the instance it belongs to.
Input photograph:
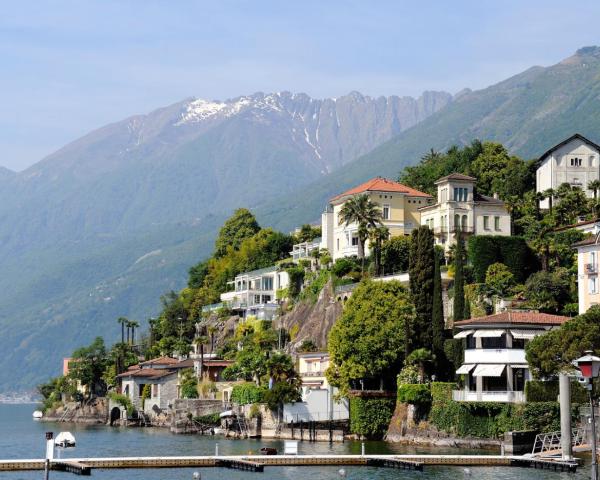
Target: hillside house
(255, 293)
(399, 207)
(574, 161)
(588, 287)
(460, 208)
(495, 368)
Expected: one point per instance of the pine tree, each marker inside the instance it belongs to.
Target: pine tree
(421, 271)
(459, 279)
(437, 317)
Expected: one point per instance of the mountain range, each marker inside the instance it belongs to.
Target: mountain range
(104, 226)
(109, 222)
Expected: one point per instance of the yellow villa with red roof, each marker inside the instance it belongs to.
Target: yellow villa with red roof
(399, 205)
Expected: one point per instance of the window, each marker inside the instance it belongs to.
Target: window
(354, 241)
(267, 283)
(593, 258)
(456, 221)
(386, 212)
(463, 224)
(460, 194)
(592, 287)
(337, 246)
(576, 162)
(256, 299)
(486, 222)
(496, 223)
(591, 160)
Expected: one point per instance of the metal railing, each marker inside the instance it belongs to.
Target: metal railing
(488, 396)
(550, 442)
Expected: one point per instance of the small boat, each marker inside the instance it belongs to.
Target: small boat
(227, 414)
(65, 440)
(37, 415)
(268, 451)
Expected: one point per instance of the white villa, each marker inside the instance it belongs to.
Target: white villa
(303, 250)
(459, 206)
(495, 368)
(318, 396)
(574, 161)
(588, 286)
(255, 293)
(399, 207)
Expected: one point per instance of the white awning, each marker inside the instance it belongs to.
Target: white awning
(489, 370)
(464, 334)
(526, 334)
(519, 365)
(488, 333)
(463, 370)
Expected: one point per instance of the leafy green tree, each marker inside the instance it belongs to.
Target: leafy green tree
(499, 280)
(360, 209)
(421, 273)
(240, 226)
(459, 277)
(554, 351)
(197, 274)
(88, 365)
(437, 314)
(365, 344)
(189, 384)
(307, 233)
(394, 254)
(549, 291)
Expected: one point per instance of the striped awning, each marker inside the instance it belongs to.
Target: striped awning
(526, 334)
(489, 370)
(464, 369)
(488, 333)
(464, 334)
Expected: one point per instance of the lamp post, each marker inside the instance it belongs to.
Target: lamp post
(589, 366)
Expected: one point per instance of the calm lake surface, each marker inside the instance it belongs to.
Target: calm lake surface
(21, 437)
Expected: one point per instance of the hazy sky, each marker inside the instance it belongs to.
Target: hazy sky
(67, 67)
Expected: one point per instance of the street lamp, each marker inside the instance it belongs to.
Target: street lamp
(589, 366)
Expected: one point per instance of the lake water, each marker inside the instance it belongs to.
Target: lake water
(21, 437)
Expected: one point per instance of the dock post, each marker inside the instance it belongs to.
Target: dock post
(564, 387)
(362, 449)
(217, 449)
(49, 454)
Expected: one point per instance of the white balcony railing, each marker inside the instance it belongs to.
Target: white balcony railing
(487, 396)
(495, 355)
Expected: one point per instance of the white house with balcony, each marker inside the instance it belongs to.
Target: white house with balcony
(318, 396)
(304, 250)
(255, 293)
(494, 367)
(574, 161)
(460, 207)
(588, 285)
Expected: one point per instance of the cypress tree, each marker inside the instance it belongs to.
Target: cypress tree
(467, 314)
(459, 279)
(421, 271)
(437, 318)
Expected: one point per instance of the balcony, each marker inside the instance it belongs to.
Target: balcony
(500, 397)
(445, 230)
(491, 355)
(591, 268)
(318, 373)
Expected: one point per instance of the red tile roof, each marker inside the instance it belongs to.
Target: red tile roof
(380, 184)
(511, 317)
(146, 373)
(160, 361)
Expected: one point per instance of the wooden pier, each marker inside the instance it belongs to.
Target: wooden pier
(256, 463)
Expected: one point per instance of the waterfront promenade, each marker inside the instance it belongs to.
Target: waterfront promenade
(258, 462)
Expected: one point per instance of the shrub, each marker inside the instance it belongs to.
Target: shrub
(414, 393)
(371, 417)
(247, 393)
(212, 419)
(122, 400)
(343, 266)
(538, 391)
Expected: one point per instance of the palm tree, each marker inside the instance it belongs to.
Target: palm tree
(123, 321)
(538, 197)
(377, 236)
(199, 341)
(211, 330)
(133, 324)
(362, 210)
(594, 185)
(549, 193)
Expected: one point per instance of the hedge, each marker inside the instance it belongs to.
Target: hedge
(489, 419)
(538, 391)
(247, 393)
(371, 417)
(414, 393)
(484, 250)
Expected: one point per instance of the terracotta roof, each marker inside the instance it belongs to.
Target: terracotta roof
(489, 200)
(160, 361)
(187, 363)
(146, 373)
(578, 224)
(380, 184)
(564, 142)
(511, 317)
(218, 363)
(455, 176)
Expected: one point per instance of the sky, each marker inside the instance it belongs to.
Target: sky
(68, 67)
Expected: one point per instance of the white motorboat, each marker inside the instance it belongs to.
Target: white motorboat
(65, 440)
(37, 415)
